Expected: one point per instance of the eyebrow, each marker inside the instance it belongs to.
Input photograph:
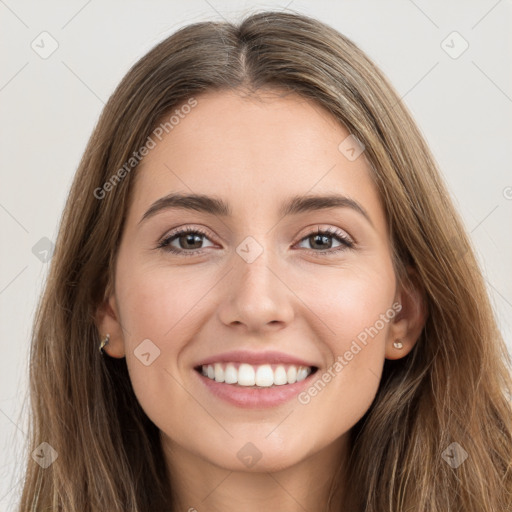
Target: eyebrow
(218, 207)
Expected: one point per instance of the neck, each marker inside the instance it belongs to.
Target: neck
(199, 485)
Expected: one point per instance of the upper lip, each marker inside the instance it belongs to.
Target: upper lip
(254, 358)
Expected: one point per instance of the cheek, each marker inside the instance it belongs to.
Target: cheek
(157, 311)
(349, 301)
(160, 305)
(355, 312)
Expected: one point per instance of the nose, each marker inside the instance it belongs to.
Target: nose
(256, 296)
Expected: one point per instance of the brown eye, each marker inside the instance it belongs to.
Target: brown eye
(188, 240)
(322, 240)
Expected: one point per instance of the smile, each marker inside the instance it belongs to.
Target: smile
(254, 386)
(257, 376)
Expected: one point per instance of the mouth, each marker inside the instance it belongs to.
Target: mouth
(263, 376)
(254, 380)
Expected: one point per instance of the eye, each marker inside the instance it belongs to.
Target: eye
(320, 239)
(189, 240)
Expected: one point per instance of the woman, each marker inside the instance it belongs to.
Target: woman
(257, 370)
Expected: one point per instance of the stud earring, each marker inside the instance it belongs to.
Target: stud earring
(398, 344)
(104, 342)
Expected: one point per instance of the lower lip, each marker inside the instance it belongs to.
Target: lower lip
(255, 398)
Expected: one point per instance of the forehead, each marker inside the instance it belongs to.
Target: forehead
(254, 150)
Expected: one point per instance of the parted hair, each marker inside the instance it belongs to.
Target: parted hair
(453, 387)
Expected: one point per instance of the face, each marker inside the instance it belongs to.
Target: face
(313, 285)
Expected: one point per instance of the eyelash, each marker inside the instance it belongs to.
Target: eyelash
(346, 242)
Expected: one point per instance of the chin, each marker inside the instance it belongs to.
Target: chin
(256, 454)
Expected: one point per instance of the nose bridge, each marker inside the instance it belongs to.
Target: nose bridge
(255, 296)
(253, 268)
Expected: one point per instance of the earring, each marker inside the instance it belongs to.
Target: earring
(398, 344)
(104, 342)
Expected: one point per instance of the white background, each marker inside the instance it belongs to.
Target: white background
(49, 107)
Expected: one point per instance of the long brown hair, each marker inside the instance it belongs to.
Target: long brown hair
(451, 388)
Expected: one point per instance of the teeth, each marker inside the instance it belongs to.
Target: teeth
(264, 376)
(280, 377)
(246, 375)
(219, 372)
(302, 374)
(291, 374)
(231, 374)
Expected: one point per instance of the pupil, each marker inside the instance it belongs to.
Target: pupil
(323, 238)
(190, 239)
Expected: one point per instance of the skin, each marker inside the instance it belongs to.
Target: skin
(255, 151)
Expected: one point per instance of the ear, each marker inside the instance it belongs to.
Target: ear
(107, 321)
(407, 325)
